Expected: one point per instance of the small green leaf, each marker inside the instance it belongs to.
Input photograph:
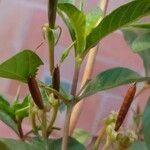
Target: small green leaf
(93, 18)
(142, 42)
(77, 23)
(146, 124)
(138, 146)
(4, 106)
(20, 66)
(66, 52)
(117, 19)
(81, 135)
(111, 78)
(8, 121)
(22, 109)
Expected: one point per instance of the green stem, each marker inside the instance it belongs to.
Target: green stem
(107, 144)
(44, 124)
(66, 128)
(70, 107)
(33, 122)
(65, 100)
(52, 7)
(99, 138)
(75, 79)
(54, 115)
(51, 57)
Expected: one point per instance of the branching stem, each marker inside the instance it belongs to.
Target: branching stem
(69, 108)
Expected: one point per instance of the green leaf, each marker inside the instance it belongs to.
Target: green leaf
(146, 124)
(10, 144)
(111, 78)
(77, 23)
(20, 66)
(145, 55)
(120, 17)
(81, 135)
(21, 110)
(34, 144)
(8, 121)
(139, 42)
(66, 1)
(72, 144)
(129, 35)
(138, 146)
(66, 53)
(67, 22)
(142, 42)
(4, 106)
(39, 144)
(50, 36)
(93, 18)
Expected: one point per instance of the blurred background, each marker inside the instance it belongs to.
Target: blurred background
(21, 22)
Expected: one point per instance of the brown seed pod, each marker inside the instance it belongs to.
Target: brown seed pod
(56, 79)
(35, 92)
(125, 106)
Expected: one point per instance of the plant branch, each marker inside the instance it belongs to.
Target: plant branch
(53, 118)
(20, 130)
(52, 7)
(66, 128)
(65, 100)
(107, 144)
(70, 107)
(86, 76)
(99, 138)
(75, 79)
(44, 124)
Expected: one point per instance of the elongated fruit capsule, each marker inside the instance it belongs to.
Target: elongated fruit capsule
(35, 92)
(56, 79)
(125, 106)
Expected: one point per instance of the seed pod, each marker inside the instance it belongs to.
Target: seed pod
(35, 92)
(56, 79)
(125, 106)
